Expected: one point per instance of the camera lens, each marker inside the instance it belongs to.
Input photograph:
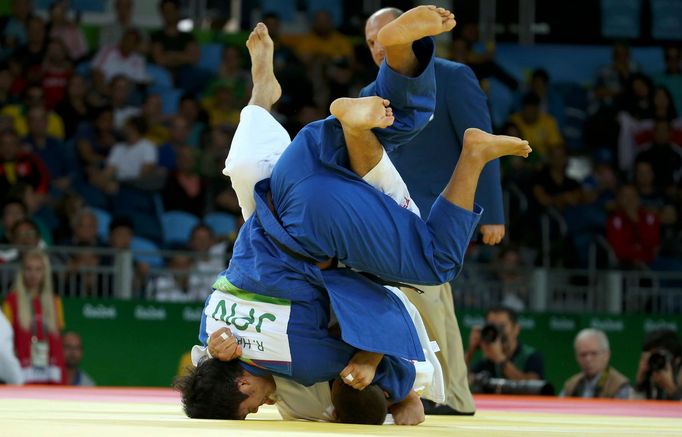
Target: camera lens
(657, 361)
(489, 333)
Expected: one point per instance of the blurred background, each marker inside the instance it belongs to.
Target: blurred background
(122, 249)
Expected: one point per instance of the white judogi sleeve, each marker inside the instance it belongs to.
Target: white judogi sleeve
(259, 142)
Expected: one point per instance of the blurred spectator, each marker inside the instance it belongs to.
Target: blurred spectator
(55, 72)
(178, 138)
(659, 375)
(10, 370)
(73, 355)
(221, 195)
(6, 79)
(66, 30)
(324, 42)
(84, 229)
(177, 50)
(552, 187)
(651, 197)
(152, 111)
(210, 258)
(120, 89)
(13, 28)
(637, 98)
(83, 279)
(18, 166)
(536, 126)
(68, 206)
(231, 73)
(600, 187)
(32, 53)
(221, 107)
(95, 140)
(124, 21)
(121, 234)
(132, 159)
(551, 101)
(196, 118)
(505, 356)
(664, 105)
(632, 231)
(52, 151)
(24, 233)
(179, 285)
(509, 269)
(34, 97)
(613, 78)
(185, 190)
(664, 156)
(74, 107)
(120, 59)
(467, 49)
(13, 210)
(35, 314)
(671, 77)
(596, 379)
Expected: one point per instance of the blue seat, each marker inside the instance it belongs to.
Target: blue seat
(170, 100)
(211, 54)
(160, 78)
(146, 251)
(103, 220)
(177, 227)
(221, 223)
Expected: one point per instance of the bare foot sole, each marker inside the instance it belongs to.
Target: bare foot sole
(266, 88)
(416, 24)
(488, 147)
(363, 113)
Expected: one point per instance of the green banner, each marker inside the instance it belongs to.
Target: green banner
(129, 343)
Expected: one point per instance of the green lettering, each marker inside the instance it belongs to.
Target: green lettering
(268, 316)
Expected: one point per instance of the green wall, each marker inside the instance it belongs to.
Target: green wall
(140, 343)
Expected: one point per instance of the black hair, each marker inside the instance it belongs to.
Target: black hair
(541, 73)
(176, 3)
(663, 339)
(121, 222)
(363, 407)
(210, 390)
(530, 99)
(513, 316)
(25, 221)
(138, 123)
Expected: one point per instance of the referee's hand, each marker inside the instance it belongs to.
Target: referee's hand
(223, 346)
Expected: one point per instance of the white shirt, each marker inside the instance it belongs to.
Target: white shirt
(10, 370)
(129, 159)
(111, 62)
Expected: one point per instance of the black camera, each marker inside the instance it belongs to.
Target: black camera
(490, 332)
(659, 360)
(483, 383)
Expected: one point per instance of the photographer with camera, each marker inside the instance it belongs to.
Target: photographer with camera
(659, 375)
(597, 379)
(504, 356)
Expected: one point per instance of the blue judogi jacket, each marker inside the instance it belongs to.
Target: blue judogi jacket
(323, 210)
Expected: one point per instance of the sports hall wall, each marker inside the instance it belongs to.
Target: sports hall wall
(141, 343)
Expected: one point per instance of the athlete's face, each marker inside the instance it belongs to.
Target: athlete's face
(259, 391)
(372, 29)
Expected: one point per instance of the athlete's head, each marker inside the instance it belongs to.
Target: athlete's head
(364, 407)
(223, 390)
(374, 24)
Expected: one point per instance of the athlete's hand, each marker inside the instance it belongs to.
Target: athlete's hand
(224, 349)
(492, 234)
(361, 369)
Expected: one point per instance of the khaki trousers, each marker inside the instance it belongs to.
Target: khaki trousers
(437, 309)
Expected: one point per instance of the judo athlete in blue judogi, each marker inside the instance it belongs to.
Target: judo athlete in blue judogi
(276, 293)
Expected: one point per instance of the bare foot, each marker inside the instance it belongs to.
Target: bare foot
(363, 113)
(415, 24)
(266, 88)
(486, 147)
